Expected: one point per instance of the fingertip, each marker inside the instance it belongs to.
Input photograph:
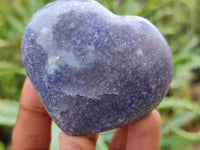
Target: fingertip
(152, 119)
(67, 142)
(29, 98)
(155, 116)
(145, 132)
(119, 139)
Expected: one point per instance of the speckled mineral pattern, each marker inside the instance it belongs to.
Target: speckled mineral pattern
(94, 70)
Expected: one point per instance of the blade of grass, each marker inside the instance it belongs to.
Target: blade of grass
(8, 112)
(54, 137)
(177, 121)
(180, 104)
(101, 145)
(188, 135)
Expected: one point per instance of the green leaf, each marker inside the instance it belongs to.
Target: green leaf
(175, 142)
(176, 122)
(188, 135)
(107, 136)
(8, 68)
(190, 47)
(55, 130)
(101, 145)
(180, 104)
(8, 112)
(2, 146)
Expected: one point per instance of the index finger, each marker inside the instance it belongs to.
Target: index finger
(33, 127)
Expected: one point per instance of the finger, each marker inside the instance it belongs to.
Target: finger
(67, 142)
(144, 133)
(119, 139)
(33, 126)
(93, 138)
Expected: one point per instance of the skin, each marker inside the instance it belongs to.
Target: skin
(33, 129)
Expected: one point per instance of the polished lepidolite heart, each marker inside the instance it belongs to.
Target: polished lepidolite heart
(94, 70)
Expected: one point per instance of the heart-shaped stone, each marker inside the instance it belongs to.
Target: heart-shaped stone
(94, 70)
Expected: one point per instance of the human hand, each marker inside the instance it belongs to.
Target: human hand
(33, 129)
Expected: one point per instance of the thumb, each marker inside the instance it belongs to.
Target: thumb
(67, 142)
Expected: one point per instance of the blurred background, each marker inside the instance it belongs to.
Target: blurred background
(177, 20)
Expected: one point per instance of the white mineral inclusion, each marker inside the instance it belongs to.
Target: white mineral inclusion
(93, 94)
(139, 52)
(91, 47)
(71, 59)
(153, 86)
(71, 25)
(53, 60)
(48, 19)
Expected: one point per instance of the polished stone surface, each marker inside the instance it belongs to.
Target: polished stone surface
(94, 70)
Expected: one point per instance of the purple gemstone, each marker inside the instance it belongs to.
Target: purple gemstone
(94, 70)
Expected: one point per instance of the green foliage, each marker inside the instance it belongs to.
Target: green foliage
(184, 111)
(2, 146)
(8, 111)
(177, 20)
(13, 16)
(101, 145)
(54, 137)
